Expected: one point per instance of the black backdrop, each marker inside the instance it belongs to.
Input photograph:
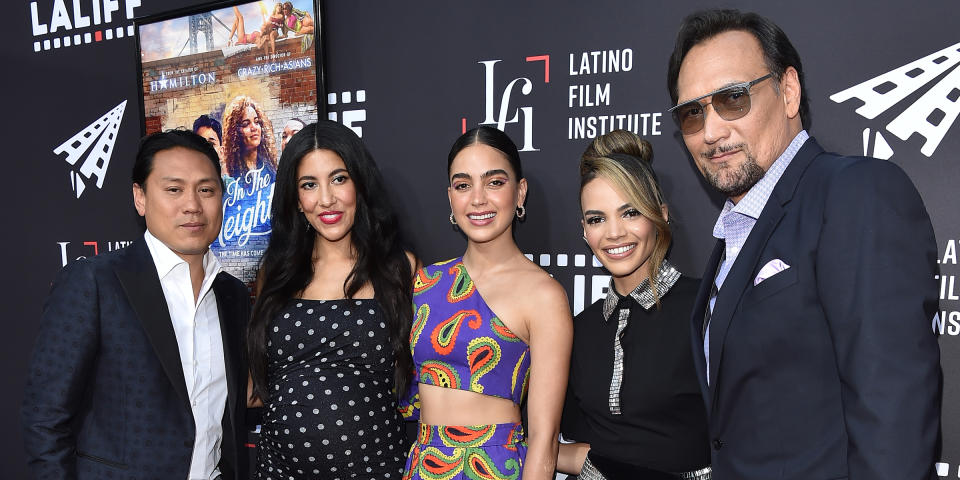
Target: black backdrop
(421, 70)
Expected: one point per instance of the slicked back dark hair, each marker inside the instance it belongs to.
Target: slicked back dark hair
(160, 141)
(490, 137)
(287, 265)
(778, 52)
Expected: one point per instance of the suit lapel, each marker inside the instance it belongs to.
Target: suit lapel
(230, 333)
(741, 274)
(701, 307)
(140, 282)
(736, 283)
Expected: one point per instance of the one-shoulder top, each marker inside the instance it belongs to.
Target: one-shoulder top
(458, 342)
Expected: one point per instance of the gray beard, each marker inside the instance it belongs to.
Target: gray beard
(738, 182)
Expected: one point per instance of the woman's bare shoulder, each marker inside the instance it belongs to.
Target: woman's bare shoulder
(539, 290)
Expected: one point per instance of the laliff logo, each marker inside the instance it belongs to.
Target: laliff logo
(501, 111)
(104, 132)
(930, 116)
(66, 23)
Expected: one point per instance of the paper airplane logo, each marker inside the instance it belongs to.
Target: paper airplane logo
(930, 116)
(101, 135)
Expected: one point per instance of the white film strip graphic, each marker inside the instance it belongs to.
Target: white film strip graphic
(562, 260)
(83, 38)
(349, 118)
(932, 115)
(104, 131)
(904, 81)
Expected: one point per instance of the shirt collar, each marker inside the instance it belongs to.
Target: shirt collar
(166, 260)
(666, 277)
(751, 205)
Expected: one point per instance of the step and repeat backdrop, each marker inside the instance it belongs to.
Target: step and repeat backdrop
(409, 77)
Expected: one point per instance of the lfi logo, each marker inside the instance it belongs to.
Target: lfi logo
(96, 141)
(502, 112)
(930, 116)
(70, 251)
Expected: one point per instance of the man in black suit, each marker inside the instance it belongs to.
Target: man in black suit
(139, 370)
(812, 325)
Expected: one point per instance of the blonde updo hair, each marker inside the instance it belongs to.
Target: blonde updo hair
(620, 141)
(624, 159)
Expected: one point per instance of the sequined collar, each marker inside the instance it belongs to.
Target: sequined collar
(666, 277)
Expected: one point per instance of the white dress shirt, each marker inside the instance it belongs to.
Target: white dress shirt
(197, 328)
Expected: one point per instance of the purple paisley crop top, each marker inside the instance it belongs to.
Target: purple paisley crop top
(458, 342)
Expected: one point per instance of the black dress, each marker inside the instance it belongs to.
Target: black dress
(660, 421)
(331, 413)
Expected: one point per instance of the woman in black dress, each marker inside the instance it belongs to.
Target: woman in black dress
(328, 339)
(633, 408)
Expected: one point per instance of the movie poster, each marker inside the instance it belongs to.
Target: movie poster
(245, 78)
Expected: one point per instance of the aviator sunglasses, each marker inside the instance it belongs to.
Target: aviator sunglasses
(730, 103)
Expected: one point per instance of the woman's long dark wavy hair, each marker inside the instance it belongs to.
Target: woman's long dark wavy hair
(287, 266)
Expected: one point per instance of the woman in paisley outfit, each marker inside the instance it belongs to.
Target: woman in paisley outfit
(490, 325)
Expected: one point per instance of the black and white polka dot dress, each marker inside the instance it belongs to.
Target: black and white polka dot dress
(331, 414)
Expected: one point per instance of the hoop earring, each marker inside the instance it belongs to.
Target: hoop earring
(521, 212)
(453, 221)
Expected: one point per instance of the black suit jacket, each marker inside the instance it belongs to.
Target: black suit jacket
(105, 395)
(828, 369)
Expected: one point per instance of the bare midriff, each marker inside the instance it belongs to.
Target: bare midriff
(448, 406)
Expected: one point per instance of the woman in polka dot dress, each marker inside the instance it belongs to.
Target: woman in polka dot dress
(328, 341)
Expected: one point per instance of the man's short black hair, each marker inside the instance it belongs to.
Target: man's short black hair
(778, 52)
(160, 141)
(210, 122)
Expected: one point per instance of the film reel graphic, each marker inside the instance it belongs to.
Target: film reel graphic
(930, 116)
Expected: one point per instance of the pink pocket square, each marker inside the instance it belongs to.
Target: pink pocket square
(772, 268)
